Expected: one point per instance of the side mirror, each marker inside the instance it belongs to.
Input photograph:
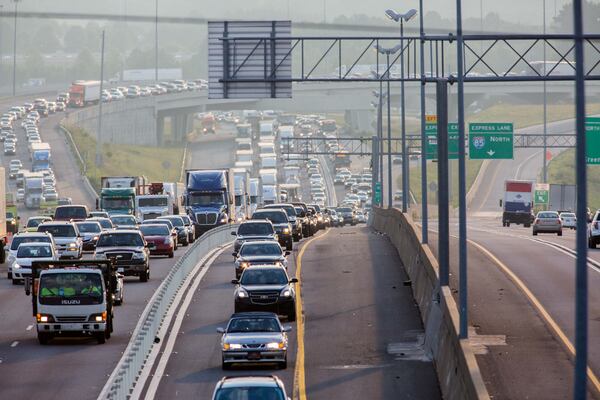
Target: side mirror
(28, 286)
(220, 330)
(294, 280)
(287, 252)
(235, 281)
(234, 254)
(287, 328)
(500, 202)
(233, 233)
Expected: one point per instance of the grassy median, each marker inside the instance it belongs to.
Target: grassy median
(158, 164)
(561, 170)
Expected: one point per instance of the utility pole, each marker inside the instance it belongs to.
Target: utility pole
(424, 205)
(14, 77)
(405, 158)
(99, 133)
(544, 163)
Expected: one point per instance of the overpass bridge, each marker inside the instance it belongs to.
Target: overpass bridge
(142, 121)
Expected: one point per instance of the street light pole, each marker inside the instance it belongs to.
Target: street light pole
(424, 205)
(544, 163)
(14, 77)
(99, 134)
(405, 160)
(156, 41)
(389, 135)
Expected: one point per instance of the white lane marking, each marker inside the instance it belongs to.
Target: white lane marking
(14, 344)
(174, 332)
(30, 327)
(518, 172)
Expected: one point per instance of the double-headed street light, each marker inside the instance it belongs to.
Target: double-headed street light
(407, 16)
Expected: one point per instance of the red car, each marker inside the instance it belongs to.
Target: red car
(159, 238)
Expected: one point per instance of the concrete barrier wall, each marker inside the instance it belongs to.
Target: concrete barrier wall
(457, 369)
(123, 122)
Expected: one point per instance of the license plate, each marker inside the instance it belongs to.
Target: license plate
(121, 270)
(152, 246)
(253, 356)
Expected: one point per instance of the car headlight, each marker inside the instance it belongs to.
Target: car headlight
(232, 346)
(100, 256)
(223, 220)
(275, 345)
(72, 246)
(138, 256)
(286, 293)
(44, 318)
(239, 219)
(100, 317)
(168, 240)
(16, 266)
(242, 294)
(95, 238)
(286, 231)
(244, 264)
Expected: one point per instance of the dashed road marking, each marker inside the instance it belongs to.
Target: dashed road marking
(30, 327)
(14, 344)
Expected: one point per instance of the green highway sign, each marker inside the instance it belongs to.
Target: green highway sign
(541, 193)
(491, 141)
(592, 137)
(432, 148)
(377, 192)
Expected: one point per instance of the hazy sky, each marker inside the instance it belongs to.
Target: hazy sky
(518, 11)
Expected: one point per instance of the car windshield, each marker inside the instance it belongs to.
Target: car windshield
(176, 221)
(126, 220)
(261, 249)
(153, 202)
(567, 215)
(116, 203)
(547, 215)
(154, 230)
(259, 276)
(27, 251)
(205, 199)
(17, 240)
(34, 222)
(255, 229)
(345, 209)
(58, 230)
(276, 217)
(161, 222)
(186, 220)
(70, 213)
(77, 287)
(89, 227)
(238, 325)
(289, 210)
(105, 223)
(115, 239)
(250, 393)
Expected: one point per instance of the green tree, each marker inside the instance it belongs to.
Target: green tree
(75, 38)
(46, 40)
(85, 66)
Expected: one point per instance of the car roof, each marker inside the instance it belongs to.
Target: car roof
(121, 215)
(121, 231)
(260, 241)
(255, 314)
(250, 380)
(256, 221)
(56, 223)
(36, 244)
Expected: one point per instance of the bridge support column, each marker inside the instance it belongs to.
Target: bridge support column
(160, 130)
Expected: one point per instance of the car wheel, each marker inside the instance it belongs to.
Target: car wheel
(508, 224)
(282, 365)
(15, 281)
(527, 225)
(101, 337)
(591, 243)
(225, 366)
(559, 233)
(534, 233)
(44, 338)
(289, 245)
(291, 315)
(171, 255)
(144, 276)
(9, 275)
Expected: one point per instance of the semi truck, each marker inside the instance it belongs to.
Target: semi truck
(151, 206)
(72, 297)
(209, 198)
(82, 93)
(255, 194)
(118, 193)
(562, 198)
(34, 189)
(241, 181)
(40, 156)
(517, 206)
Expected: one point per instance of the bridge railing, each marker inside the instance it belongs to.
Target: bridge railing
(125, 376)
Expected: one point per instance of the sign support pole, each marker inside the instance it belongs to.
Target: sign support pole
(424, 210)
(442, 165)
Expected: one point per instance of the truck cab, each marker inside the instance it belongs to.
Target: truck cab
(152, 206)
(242, 197)
(117, 201)
(72, 297)
(209, 198)
(34, 189)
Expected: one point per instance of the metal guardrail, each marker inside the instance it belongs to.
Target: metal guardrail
(124, 378)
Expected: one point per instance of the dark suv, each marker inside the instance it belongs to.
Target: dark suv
(129, 251)
(305, 218)
(266, 288)
(281, 223)
(292, 217)
(253, 230)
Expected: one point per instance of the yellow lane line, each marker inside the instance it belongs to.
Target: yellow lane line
(299, 376)
(541, 310)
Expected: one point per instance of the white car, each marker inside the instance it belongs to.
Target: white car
(569, 220)
(28, 252)
(20, 194)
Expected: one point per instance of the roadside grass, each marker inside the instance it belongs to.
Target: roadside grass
(561, 170)
(158, 164)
